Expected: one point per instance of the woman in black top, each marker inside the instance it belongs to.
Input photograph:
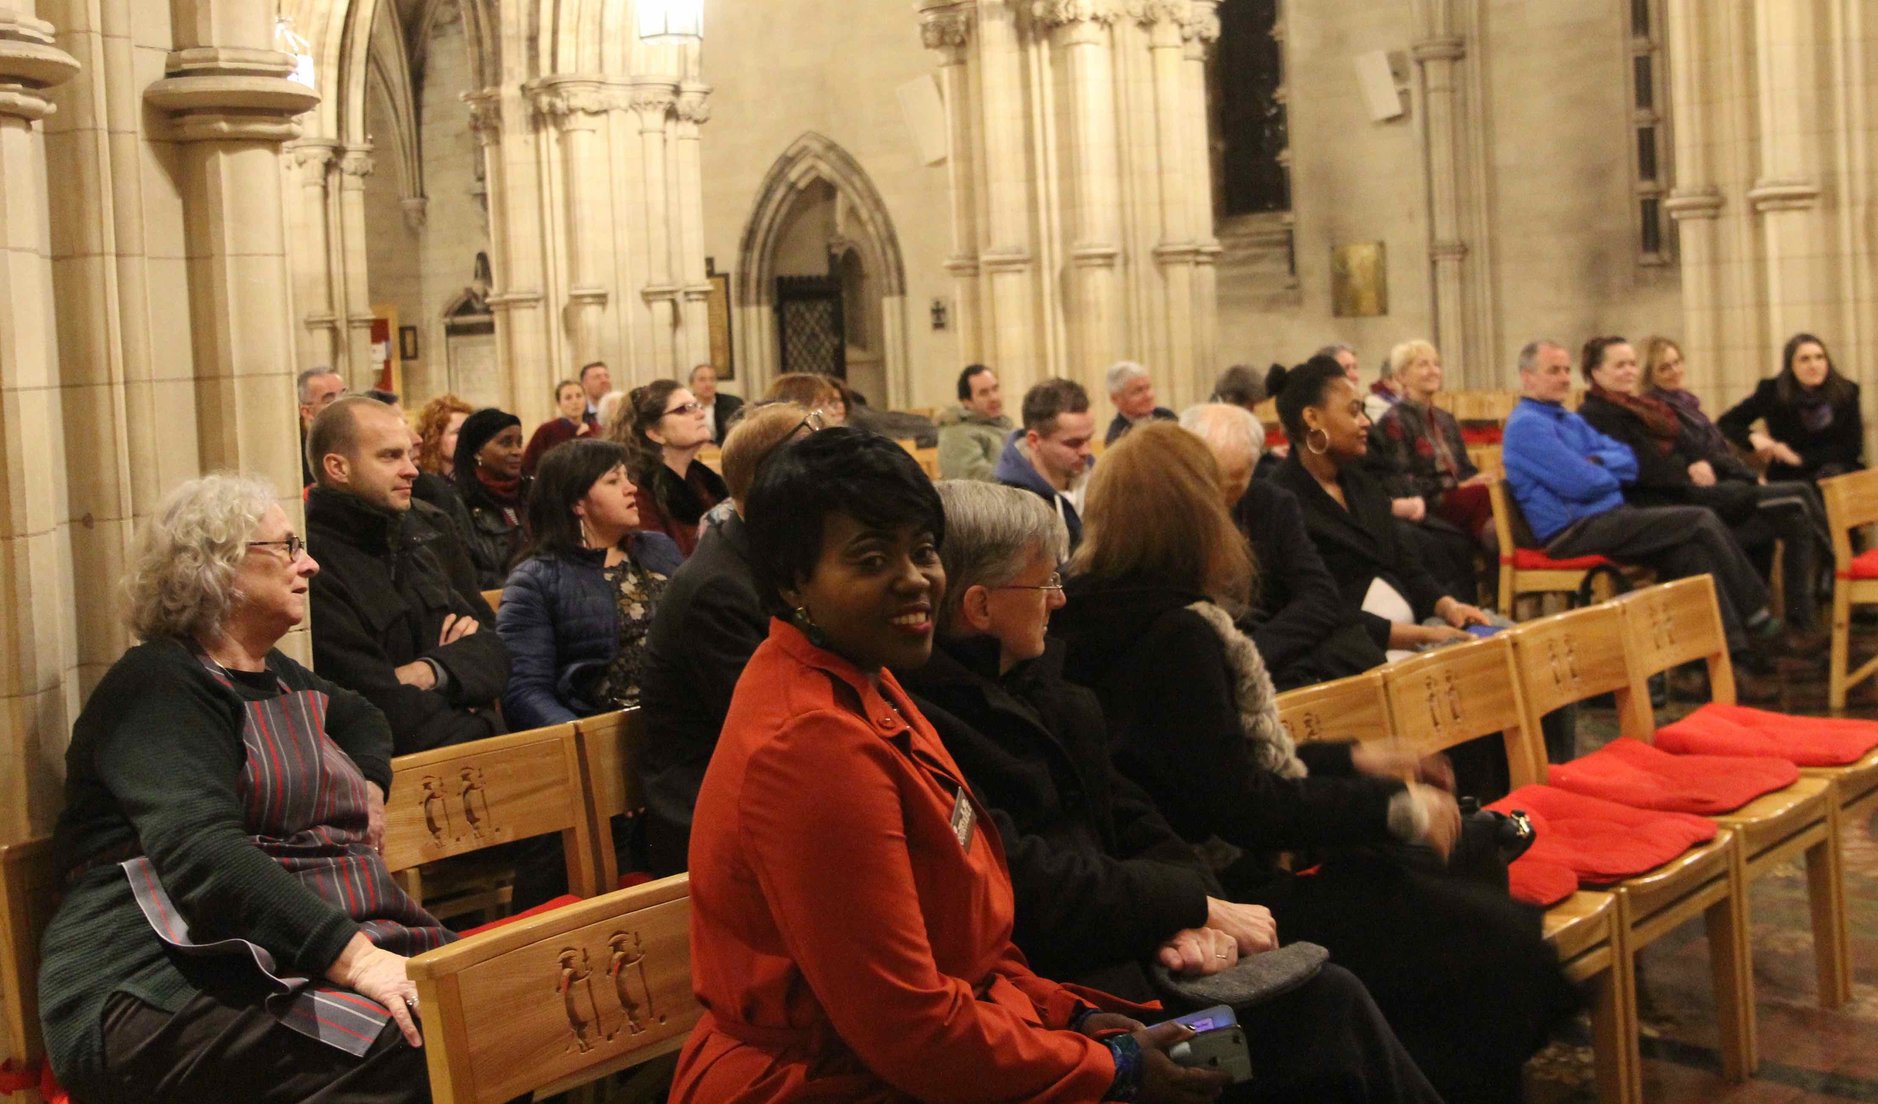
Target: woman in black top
(1347, 513)
(666, 431)
(1459, 970)
(1814, 428)
(489, 476)
(216, 790)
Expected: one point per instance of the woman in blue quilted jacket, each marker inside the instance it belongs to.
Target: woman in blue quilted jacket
(576, 609)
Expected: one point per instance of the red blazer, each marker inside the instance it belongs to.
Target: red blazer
(548, 434)
(844, 944)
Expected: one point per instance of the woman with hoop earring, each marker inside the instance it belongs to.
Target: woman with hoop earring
(1348, 515)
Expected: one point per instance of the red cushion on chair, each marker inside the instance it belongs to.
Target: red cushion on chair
(1538, 882)
(1631, 772)
(1601, 841)
(1738, 730)
(632, 878)
(1481, 434)
(1863, 566)
(1531, 559)
(545, 906)
(16, 1078)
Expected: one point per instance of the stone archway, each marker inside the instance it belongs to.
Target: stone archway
(860, 238)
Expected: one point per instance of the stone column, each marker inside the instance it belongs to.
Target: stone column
(1171, 353)
(317, 331)
(1083, 32)
(1201, 32)
(1006, 257)
(1695, 202)
(691, 112)
(355, 164)
(518, 245)
(1786, 189)
(653, 99)
(947, 27)
(573, 106)
(36, 694)
(1439, 58)
(229, 106)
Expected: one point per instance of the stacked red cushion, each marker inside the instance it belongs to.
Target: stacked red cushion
(1631, 772)
(1599, 841)
(1736, 730)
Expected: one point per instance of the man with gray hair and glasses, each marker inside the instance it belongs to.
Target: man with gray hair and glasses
(316, 388)
(1132, 392)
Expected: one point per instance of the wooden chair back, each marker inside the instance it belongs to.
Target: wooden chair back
(494, 598)
(1459, 693)
(1352, 708)
(1568, 657)
(1851, 502)
(29, 892)
(1666, 626)
(560, 999)
(609, 758)
(928, 461)
(469, 797)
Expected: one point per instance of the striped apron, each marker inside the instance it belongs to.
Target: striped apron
(304, 804)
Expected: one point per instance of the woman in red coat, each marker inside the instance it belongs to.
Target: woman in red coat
(851, 909)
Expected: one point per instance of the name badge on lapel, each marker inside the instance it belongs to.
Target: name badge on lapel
(964, 819)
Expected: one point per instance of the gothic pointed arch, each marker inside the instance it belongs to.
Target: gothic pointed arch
(865, 226)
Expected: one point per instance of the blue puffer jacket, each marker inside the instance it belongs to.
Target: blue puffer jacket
(560, 622)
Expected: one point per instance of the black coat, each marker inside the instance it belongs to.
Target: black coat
(494, 542)
(708, 623)
(1663, 477)
(378, 603)
(1170, 696)
(1840, 445)
(1303, 630)
(723, 409)
(1360, 544)
(1101, 879)
(435, 502)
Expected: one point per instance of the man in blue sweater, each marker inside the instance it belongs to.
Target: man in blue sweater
(1568, 480)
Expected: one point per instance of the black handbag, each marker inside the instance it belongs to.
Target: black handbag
(1489, 842)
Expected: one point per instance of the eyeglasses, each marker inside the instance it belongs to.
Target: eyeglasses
(691, 407)
(291, 542)
(1055, 583)
(814, 423)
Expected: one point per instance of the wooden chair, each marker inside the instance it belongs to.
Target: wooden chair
(1851, 503)
(29, 892)
(609, 752)
(1467, 691)
(494, 598)
(471, 797)
(1347, 708)
(1665, 626)
(561, 999)
(1525, 571)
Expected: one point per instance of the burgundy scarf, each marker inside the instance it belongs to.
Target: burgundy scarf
(1657, 416)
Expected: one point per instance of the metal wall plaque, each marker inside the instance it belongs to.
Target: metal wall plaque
(1359, 280)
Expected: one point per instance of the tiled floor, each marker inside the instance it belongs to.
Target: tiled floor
(1808, 1056)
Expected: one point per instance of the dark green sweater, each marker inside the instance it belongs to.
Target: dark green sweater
(152, 769)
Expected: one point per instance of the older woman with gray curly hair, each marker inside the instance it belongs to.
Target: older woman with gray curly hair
(229, 931)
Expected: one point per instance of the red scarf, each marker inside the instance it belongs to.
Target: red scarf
(506, 492)
(1657, 416)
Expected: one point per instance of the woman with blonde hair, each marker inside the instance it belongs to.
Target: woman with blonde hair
(1155, 588)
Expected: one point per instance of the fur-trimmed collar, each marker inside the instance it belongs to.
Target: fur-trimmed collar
(1271, 745)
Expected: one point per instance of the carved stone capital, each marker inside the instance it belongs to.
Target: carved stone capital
(227, 94)
(416, 211)
(357, 162)
(948, 30)
(565, 100)
(1694, 203)
(694, 103)
(1202, 23)
(1150, 12)
(485, 115)
(30, 63)
(313, 154)
(1061, 13)
(652, 99)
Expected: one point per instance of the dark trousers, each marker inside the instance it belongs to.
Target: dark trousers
(1326, 1042)
(1676, 542)
(1460, 971)
(1794, 514)
(225, 1046)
